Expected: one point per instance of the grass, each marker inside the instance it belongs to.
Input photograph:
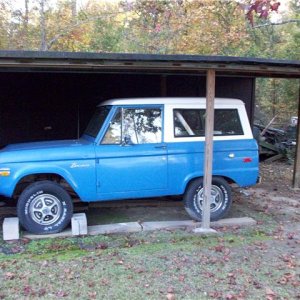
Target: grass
(145, 241)
(239, 263)
(148, 265)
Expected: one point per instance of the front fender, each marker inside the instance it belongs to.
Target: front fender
(79, 175)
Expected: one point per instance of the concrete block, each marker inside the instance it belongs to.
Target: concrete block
(11, 229)
(115, 228)
(79, 224)
(245, 221)
(146, 226)
(32, 236)
(150, 226)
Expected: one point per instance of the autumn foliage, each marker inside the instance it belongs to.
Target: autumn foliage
(169, 26)
(262, 8)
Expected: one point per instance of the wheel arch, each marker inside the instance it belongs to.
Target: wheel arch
(30, 178)
(188, 183)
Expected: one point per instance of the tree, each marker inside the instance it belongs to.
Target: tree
(278, 96)
(3, 26)
(213, 27)
(153, 26)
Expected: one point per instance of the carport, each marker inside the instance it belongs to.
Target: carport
(51, 95)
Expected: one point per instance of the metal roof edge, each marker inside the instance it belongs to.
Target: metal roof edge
(16, 54)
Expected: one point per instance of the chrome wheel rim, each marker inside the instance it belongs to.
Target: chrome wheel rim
(216, 199)
(45, 209)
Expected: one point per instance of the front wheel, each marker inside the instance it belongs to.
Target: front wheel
(220, 199)
(44, 207)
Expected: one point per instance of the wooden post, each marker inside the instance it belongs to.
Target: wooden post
(209, 131)
(296, 176)
(163, 85)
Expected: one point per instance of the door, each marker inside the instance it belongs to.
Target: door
(131, 158)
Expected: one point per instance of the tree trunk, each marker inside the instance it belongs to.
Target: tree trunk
(25, 24)
(74, 10)
(43, 46)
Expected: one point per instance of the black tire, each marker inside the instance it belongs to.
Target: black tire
(44, 207)
(221, 191)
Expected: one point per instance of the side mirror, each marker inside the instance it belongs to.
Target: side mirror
(127, 141)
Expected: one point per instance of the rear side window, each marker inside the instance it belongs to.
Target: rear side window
(191, 122)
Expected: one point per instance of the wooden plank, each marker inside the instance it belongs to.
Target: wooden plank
(296, 175)
(208, 157)
(268, 146)
(273, 158)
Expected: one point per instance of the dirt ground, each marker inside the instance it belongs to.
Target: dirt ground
(276, 197)
(260, 262)
(273, 196)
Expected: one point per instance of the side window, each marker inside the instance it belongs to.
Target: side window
(142, 125)
(191, 122)
(135, 126)
(113, 133)
(188, 122)
(227, 122)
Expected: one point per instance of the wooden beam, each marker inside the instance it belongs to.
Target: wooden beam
(296, 175)
(208, 157)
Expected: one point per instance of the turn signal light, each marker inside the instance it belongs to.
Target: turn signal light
(4, 172)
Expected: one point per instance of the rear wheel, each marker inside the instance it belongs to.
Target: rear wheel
(44, 207)
(220, 199)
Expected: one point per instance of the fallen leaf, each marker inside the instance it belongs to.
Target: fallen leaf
(170, 296)
(92, 295)
(269, 292)
(102, 246)
(41, 292)
(9, 276)
(27, 290)
(61, 294)
(219, 248)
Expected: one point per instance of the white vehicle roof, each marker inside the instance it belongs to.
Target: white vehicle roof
(189, 103)
(172, 101)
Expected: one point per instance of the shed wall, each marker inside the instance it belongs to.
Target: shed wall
(41, 106)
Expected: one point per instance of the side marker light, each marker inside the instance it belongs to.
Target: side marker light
(247, 159)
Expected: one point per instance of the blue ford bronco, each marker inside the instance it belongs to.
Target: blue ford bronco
(132, 148)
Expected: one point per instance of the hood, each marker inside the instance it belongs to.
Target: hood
(45, 145)
(47, 151)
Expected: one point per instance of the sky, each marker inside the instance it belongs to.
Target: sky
(19, 4)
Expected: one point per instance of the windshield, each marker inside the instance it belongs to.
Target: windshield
(97, 121)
